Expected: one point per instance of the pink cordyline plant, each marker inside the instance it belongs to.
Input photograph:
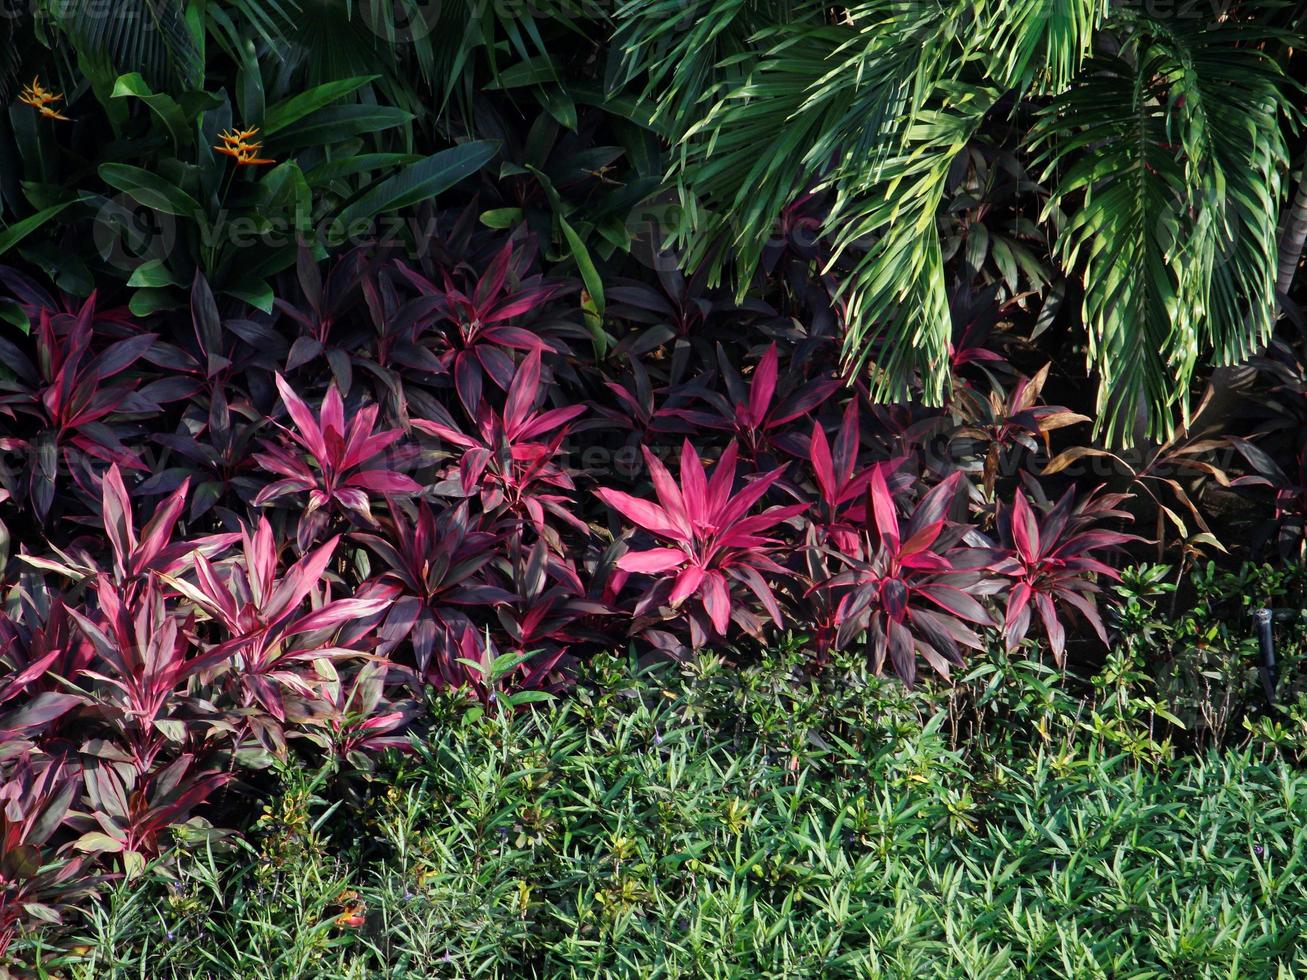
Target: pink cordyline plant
(712, 540)
(343, 466)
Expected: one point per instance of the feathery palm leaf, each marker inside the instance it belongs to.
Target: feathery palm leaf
(1039, 44)
(875, 107)
(896, 297)
(1167, 153)
(1176, 149)
(682, 51)
(1129, 234)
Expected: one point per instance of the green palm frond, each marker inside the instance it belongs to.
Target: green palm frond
(1037, 44)
(896, 298)
(153, 37)
(1109, 136)
(823, 106)
(1167, 155)
(1231, 99)
(755, 150)
(10, 60)
(272, 20)
(682, 50)
(420, 48)
(501, 35)
(873, 107)
(148, 36)
(1174, 152)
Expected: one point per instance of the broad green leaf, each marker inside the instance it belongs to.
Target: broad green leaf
(153, 273)
(278, 117)
(558, 104)
(335, 124)
(420, 181)
(97, 842)
(528, 697)
(11, 312)
(161, 104)
(147, 301)
(532, 71)
(358, 163)
(172, 729)
(151, 190)
(259, 295)
(501, 218)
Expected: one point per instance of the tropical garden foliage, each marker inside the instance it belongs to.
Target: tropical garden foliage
(368, 369)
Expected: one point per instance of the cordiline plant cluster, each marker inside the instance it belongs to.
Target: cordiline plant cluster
(230, 536)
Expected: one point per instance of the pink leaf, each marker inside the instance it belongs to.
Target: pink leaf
(921, 540)
(471, 466)
(764, 385)
(117, 516)
(1052, 624)
(846, 441)
(882, 505)
(444, 432)
(749, 495)
(468, 381)
(551, 419)
(653, 561)
(292, 589)
(957, 602)
(279, 489)
(644, 514)
(383, 481)
(669, 494)
(522, 392)
(759, 522)
(333, 418)
(492, 283)
(351, 498)
(1017, 618)
(159, 528)
(822, 467)
(717, 601)
(694, 483)
(1025, 529)
(686, 584)
(309, 435)
(723, 479)
(337, 613)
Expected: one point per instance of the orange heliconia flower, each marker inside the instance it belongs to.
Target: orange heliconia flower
(240, 146)
(42, 99)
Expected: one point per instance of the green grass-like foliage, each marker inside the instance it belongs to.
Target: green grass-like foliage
(709, 822)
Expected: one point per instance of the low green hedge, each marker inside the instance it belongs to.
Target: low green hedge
(739, 823)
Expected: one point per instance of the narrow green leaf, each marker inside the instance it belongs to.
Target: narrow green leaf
(594, 287)
(15, 233)
(335, 124)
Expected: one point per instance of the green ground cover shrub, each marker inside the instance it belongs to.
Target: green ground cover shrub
(704, 820)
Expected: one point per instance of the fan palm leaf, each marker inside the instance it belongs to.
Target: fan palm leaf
(147, 36)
